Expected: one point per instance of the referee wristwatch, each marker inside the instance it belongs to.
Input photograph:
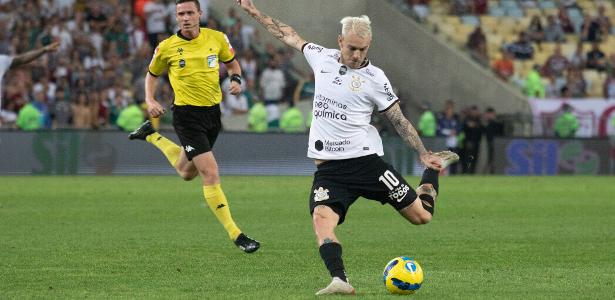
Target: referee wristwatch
(236, 78)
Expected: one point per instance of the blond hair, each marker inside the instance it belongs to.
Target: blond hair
(359, 25)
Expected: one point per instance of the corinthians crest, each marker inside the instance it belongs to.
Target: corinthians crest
(355, 83)
(321, 194)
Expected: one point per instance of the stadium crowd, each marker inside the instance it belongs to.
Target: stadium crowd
(550, 48)
(106, 47)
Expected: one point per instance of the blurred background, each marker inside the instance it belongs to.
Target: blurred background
(517, 87)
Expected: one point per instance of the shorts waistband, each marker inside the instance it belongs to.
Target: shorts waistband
(342, 162)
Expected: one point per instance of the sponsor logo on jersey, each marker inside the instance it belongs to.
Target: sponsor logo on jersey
(212, 61)
(387, 90)
(180, 50)
(321, 194)
(182, 63)
(336, 146)
(399, 192)
(343, 70)
(189, 148)
(369, 72)
(314, 47)
(356, 83)
(330, 115)
(329, 101)
(337, 80)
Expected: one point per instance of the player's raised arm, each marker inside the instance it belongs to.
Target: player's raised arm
(407, 132)
(29, 56)
(278, 29)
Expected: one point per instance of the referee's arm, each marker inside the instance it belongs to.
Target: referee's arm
(234, 72)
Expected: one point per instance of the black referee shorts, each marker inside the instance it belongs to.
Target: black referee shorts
(339, 183)
(197, 127)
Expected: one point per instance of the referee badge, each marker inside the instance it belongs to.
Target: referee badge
(212, 61)
(182, 63)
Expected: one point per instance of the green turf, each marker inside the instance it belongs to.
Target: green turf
(153, 238)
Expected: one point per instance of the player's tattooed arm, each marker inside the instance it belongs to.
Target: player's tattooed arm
(405, 129)
(278, 29)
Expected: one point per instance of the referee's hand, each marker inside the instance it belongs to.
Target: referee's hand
(154, 108)
(235, 88)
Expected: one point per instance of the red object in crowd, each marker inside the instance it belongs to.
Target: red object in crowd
(138, 9)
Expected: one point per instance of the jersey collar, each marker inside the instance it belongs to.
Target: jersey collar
(180, 35)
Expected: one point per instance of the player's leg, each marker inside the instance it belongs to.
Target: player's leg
(324, 221)
(422, 209)
(173, 152)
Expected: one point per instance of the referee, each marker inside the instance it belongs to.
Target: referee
(346, 147)
(192, 57)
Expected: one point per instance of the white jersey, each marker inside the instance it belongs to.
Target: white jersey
(344, 100)
(5, 64)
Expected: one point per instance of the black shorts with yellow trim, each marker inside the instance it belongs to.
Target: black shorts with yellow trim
(339, 183)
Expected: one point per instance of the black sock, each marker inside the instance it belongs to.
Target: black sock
(431, 176)
(331, 254)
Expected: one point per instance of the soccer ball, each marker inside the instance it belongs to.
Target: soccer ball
(403, 275)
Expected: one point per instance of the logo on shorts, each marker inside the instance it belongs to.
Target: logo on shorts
(189, 148)
(321, 194)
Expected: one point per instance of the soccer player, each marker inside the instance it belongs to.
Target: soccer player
(8, 62)
(346, 148)
(191, 57)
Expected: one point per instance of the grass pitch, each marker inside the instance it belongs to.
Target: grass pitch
(154, 238)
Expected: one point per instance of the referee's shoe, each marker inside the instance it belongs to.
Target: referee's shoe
(142, 132)
(247, 244)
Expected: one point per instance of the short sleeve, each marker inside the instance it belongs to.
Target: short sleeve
(5, 63)
(158, 64)
(227, 53)
(383, 96)
(313, 53)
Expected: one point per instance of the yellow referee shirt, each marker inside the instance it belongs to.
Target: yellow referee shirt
(193, 66)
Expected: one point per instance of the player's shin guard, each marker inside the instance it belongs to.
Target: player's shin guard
(331, 254)
(170, 150)
(216, 200)
(428, 194)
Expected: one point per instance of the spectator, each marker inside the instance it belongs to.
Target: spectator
(292, 120)
(449, 127)
(554, 86)
(304, 90)
(575, 83)
(609, 87)
(130, 117)
(535, 30)
(156, 14)
(596, 59)
(504, 67)
(534, 87)
(427, 122)
(577, 58)
(233, 104)
(554, 31)
(461, 7)
(590, 30)
(82, 115)
(472, 130)
(249, 67)
(556, 64)
(272, 83)
(29, 118)
(61, 110)
(257, 117)
(492, 128)
(521, 49)
(480, 7)
(603, 21)
(476, 38)
(566, 124)
(564, 20)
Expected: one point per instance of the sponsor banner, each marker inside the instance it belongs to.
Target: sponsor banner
(554, 156)
(595, 116)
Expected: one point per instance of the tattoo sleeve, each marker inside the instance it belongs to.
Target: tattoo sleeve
(27, 57)
(405, 129)
(280, 30)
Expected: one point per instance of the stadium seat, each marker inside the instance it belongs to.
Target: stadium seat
(497, 11)
(547, 4)
(470, 20)
(515, 12)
